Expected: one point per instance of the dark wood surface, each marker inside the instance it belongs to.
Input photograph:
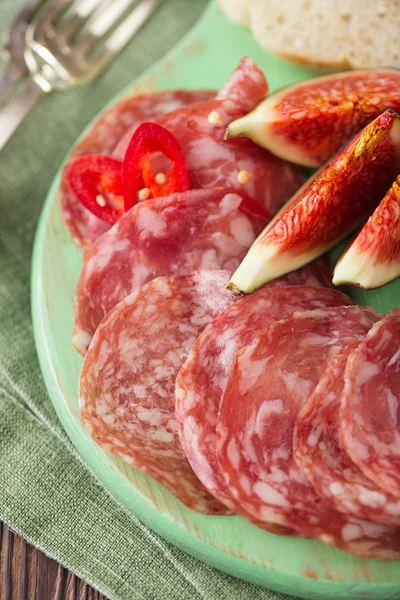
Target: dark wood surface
(27, 574)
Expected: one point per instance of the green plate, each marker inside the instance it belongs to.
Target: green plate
(302, 567)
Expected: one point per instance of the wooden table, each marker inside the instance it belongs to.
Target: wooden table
(27, 574)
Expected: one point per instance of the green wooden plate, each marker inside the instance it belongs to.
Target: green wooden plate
(301, 567)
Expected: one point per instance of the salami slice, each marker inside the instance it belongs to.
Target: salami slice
(319, 453)
(213, 161)
(103, 138)
(271, 380)
(174, 235)
(203, 377)
(126, 386)
(246, 86)
(370, 414)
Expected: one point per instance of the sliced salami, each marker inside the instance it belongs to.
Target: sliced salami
(174, 235)
(319, 453)
(370, 413)
(126, 387)
(271, 380)
(246, 86)
(103, 138)
(203, 377)
(213, 161)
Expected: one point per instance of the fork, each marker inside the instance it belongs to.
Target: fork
(67, 43)
(14, 46)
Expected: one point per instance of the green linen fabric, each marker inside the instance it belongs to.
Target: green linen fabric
(47, 494)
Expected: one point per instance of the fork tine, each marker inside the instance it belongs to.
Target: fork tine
(51, 10)
(13, 39)
(131, 25)
(125, 31)
(77, 15)
(15, 67)
(88, 37)
(21, 20)
(106, 16)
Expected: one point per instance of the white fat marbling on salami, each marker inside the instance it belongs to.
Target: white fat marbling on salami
(229, 202)
(366, 371)
(99, 261)
(370, 408)
(104, 137)
(150, 222)
(241, 231)
(126, 386)
(319, 452)
(263, 451)
(202, 379)
(174, 235)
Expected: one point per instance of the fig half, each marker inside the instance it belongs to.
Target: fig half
(331, 204)
(310, 121)
(373, 258)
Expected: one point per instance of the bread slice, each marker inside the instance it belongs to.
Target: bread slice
(311, 32)
(237, 10)
(375, 35)
(332, 35)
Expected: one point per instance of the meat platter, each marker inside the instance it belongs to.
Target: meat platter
(269, 539)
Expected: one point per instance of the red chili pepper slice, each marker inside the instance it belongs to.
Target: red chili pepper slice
(148, 139)
(97, 183)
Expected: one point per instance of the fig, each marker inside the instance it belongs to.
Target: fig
(329, 206)
(373, 258)
(308, 122)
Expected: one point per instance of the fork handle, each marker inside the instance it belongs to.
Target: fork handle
(9, 78)
(13, 113)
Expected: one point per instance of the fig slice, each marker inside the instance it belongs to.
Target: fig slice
(373, 258)
(329, 206)
(308, 122)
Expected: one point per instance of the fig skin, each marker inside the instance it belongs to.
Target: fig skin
(308, 122)
(329, 206)
(373, 258)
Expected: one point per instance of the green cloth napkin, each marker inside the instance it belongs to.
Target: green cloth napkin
(47, 494)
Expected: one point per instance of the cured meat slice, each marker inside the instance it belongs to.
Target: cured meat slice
(213, 161)
(203, 377)
(246, 87)
(126, 386)
(271, 380)
(103, 138)
(174, 235)
(320, 454)
(370, 413)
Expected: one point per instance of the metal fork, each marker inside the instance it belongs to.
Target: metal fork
(14, 48)
(67, 43)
